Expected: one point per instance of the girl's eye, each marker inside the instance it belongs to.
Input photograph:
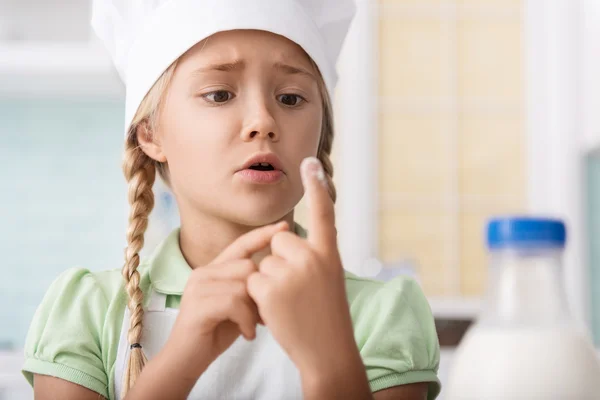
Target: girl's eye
(290, 99)
(220, 96)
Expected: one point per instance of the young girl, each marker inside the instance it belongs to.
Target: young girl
(229, 101)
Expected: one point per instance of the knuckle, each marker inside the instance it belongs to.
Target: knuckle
(231, 303)
(252, 277)
(239, 290)
(270, 297)
(247, 266)
(267, 262)
(307, 258)
(266, 295)
(277, 239)
(251, 283)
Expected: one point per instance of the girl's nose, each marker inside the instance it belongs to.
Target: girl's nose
(261, 125)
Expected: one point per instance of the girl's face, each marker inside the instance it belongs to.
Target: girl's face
(238, 98)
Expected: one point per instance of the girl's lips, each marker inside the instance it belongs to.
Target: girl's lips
(260, 177)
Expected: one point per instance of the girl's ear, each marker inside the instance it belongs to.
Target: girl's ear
(148, 143)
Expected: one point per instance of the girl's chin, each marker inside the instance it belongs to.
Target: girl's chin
(261, 214)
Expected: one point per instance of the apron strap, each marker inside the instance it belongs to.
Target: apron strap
(158, 301)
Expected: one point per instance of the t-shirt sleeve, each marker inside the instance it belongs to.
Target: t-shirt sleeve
(395, 332)
(64, 337)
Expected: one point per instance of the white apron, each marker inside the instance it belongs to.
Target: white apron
(257, 369)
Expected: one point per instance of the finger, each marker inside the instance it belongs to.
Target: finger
(237, 269)
(242, 314)
(240, 311)
(273, 266)
(234, 291)
(321, 233)
(252, 242)
(258, 285)
(217, 279)
(290, 247)
(236, 288)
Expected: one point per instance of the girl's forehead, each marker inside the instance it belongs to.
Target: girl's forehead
(246, 45)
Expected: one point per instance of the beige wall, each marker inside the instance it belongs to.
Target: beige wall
(451, 134)
(452, 146)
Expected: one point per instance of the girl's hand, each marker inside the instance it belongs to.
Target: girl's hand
(300, 290)
(215, 307)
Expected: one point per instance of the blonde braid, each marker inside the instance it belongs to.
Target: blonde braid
(326, 143)
(140, 172)
(323, 156)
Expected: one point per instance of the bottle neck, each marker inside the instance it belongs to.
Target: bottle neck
(525, 288)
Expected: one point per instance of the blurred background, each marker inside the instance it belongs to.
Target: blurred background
(449, 112)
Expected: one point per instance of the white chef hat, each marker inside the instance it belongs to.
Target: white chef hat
(144, 37)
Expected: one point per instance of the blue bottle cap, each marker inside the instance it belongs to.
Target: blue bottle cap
(526, 233)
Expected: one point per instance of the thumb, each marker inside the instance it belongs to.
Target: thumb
(321, 216)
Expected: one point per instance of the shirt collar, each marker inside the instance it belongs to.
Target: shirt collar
(169, 271)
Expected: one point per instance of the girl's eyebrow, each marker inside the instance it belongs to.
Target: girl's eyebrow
(235, 65)
(238, 65)
(291, 70)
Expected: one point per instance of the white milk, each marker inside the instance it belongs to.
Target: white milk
(531, 364)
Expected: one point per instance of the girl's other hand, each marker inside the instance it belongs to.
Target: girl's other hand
(215, 307)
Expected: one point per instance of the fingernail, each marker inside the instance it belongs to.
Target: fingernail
(310, 167)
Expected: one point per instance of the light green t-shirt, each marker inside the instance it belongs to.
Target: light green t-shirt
(75, 331)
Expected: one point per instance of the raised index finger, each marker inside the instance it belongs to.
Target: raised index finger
(252, 242)
(322, 234)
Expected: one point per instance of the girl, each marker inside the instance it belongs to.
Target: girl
(228, 100)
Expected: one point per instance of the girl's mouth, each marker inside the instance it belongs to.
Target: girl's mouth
(262, 167)
(265, 168)
(261, 174)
